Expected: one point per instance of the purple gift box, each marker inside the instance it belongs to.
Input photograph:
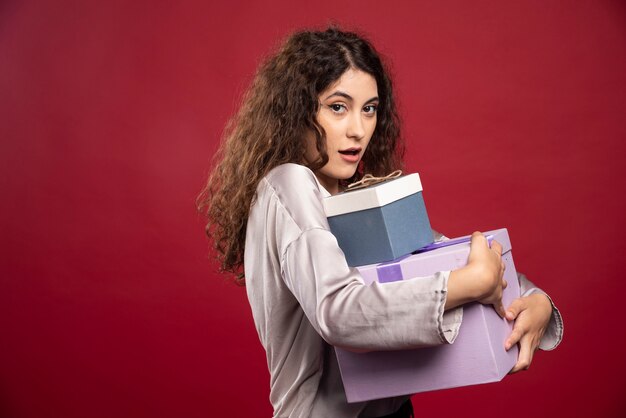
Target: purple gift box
(476, 356)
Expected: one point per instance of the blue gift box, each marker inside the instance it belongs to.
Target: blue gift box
(381, 222)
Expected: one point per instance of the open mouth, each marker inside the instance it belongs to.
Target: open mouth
(350, 151)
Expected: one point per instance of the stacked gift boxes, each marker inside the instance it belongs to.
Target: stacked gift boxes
(477, 355)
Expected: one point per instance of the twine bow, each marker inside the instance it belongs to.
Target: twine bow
(369, 180)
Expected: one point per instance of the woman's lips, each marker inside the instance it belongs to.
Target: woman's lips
(351, 155)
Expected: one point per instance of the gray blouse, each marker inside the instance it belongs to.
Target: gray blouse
(305, 299)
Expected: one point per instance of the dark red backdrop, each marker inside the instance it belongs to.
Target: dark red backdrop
(110, 111)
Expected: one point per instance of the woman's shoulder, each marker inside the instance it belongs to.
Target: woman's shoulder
(289, 175)
(298, 192)
(291, 180)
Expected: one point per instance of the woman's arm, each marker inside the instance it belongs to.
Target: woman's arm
(404, 314)
(349, 314)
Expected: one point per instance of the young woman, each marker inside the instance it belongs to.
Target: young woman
(319, 114)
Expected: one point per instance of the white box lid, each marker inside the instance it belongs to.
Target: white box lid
(373, 197)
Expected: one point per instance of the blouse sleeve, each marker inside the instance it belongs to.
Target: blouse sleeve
(349, 314)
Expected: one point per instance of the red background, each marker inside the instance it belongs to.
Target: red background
(110, 111)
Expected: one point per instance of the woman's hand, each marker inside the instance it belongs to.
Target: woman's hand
(481, 280)
(532, 315)
(487, 261)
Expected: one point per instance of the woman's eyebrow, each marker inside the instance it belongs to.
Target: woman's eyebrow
(340, 94)
(348, 97)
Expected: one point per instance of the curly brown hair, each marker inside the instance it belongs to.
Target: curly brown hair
(278, 111)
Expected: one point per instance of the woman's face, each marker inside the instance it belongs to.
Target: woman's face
(348, 115)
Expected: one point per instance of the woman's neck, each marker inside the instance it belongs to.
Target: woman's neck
(330, 184)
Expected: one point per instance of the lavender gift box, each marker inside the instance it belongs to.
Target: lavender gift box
(381, 222)
(476, 356)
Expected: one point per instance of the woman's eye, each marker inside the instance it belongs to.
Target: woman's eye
(370, 109)
(337, 108)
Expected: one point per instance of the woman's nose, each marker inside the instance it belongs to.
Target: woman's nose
(356, 128)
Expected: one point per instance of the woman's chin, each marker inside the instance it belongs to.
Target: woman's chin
(346, 173)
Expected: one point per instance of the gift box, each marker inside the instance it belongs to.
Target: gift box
(380, 222)
(476, 356)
